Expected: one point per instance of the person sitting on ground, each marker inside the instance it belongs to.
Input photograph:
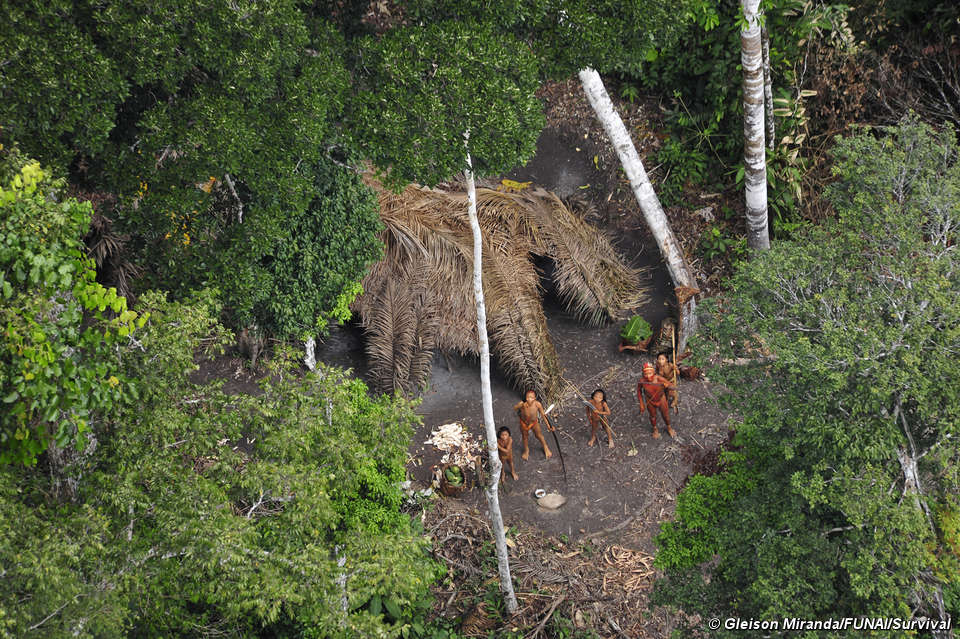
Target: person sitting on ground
(529, 411)
(667, 370)
(505, 451)
(653, 387)
(596, 412)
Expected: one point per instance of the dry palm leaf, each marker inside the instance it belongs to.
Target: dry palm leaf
(391, 326)
(106, 247)
(517, 324)
(419, 297)
(591, 279)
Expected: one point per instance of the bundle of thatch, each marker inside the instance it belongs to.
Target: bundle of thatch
(420, 296)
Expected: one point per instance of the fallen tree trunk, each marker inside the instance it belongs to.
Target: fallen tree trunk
(680, 271)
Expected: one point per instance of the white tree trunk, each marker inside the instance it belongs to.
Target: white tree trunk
(754, 153)
(486, 396)
(309, 353)
(677, 265)
(768, 91)
(911, 486)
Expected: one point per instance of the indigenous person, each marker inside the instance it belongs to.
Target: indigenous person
(529, 411)
(505, 451)
(596, 412)
(653, 388)
(668, 371)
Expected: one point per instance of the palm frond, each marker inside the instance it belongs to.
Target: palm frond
(421, 296)
(517, 324)
(390, 331)
(591, 279)
(421, 356)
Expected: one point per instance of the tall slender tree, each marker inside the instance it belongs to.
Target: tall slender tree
(486, 396)
(420, 86)
(754, 153)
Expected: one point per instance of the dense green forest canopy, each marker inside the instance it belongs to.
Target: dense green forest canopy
(839, 496)
(173, 172)
(213, 131)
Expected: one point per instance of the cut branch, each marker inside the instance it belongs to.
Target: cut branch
(543, 622)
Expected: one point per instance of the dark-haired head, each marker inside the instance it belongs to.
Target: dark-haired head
(603, 395)
(503, 429)
(525, 395)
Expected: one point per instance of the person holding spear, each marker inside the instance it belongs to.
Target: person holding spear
(529, 412)
(597, 409)
(652, 387)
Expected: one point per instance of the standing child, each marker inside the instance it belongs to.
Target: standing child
(596, 412)
(667, 370)
(505, 450)
(529, 412)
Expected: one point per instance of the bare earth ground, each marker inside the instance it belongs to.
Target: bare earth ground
(603, 486)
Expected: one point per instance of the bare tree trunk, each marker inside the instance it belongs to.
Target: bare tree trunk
(341, 582)
(68, 465)
(493, 497)
(63, 483)
(768, 90)
(911, 486)
(310, 360)
(680, 271)
(754, 153)
(309, 353)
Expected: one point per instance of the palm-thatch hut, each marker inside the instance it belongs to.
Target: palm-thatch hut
(419, 297)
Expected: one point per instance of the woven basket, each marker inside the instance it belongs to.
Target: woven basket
(448, 489)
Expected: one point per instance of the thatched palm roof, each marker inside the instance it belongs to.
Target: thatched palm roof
(420, 296)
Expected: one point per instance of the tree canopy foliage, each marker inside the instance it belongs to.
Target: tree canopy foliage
(205, 512)
(840, 497)
(189, 511)
(214, 128)
(608, 35)
(422, 88)
(57, 368)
